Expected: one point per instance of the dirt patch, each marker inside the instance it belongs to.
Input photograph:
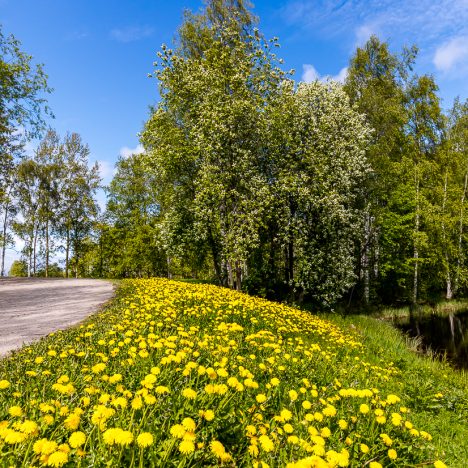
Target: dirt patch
(31, 308)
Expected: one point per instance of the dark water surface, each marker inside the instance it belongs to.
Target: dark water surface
(444, 334)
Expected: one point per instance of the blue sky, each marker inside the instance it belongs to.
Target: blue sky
(98, 53)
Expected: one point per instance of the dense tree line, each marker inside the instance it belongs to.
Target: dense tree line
(47, 199)
(52, 206)
(316, 191)
(302, 191)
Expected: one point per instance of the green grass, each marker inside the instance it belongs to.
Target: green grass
(421, 377)
(440, 308)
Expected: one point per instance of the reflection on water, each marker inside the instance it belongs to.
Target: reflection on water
(445, 334)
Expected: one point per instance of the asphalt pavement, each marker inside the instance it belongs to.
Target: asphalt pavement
(34, 307)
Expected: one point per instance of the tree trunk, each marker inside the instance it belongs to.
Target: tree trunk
(448, 278)
(416, 251)
(365, 257)
(238, 275)
(35, 250)
(169, 274)
(4, 234)
(230, 276)
(30, 253)
(47, 249)
(460, 234)
(67, 253)
(216, 257)
(101, 259)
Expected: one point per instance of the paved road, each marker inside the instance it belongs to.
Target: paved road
(33, 307)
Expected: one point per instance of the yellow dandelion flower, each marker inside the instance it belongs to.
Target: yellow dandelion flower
(123, 437)
(48, 446)
(285, 415)
(439, 464)
(137, 403)
(189, 424)
(57, 459)
(161, 390)
(364, 409)
(189, 393)
(145, 439)
(109, 436)
(288, 429)
(177, 431)
(77, 439)
(392, 399)
(186, 446)
(98, 368)
(266, 443)
(208, 415)
(392, 454)
(29, 427)
(329, 410)
(72, 422)
(217, 448)
(15, 411)
(253, 450)
(4, 384)
(48, 419)
(13, 437)
(251, 430)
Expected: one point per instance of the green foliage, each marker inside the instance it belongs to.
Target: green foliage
(55, 196)
(22, 111)
(129, 242)
(239, 168)
(414, 198)
(19, 268)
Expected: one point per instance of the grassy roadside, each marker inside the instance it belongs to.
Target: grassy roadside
(421, 377)
(178, 375)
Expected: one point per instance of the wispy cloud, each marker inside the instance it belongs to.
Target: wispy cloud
(77, 35)
(433, 25)
(451, 54)
(310, 73)
(126, 152)
(131, 33)
(423, 18)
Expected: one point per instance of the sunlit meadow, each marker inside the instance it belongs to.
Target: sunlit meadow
(176, 374)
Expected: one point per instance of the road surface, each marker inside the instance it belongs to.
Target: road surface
(34, 307)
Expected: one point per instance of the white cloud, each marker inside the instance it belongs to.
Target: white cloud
(341, 76)
(131, 33)
(105, 169)
(311, 74)
(451, 54)
(126, 152)
(364, 32)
